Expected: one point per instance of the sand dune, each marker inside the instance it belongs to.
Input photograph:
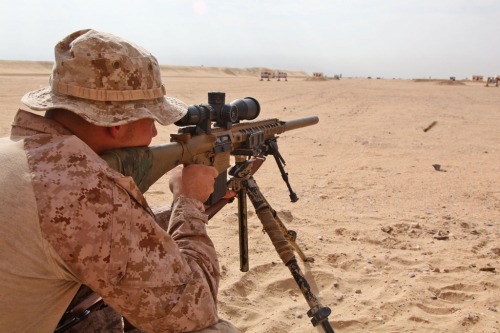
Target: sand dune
(400, 244)
(14, 67)
(202, 71)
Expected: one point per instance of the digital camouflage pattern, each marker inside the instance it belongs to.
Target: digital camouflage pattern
(95, 228)
(106, 80)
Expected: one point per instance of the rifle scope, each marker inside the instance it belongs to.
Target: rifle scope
(217, 111)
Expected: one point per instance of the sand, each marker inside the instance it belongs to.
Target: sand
(403, 222)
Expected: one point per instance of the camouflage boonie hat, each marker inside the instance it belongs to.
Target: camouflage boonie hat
(106, 80)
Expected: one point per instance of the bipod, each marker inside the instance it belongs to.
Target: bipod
(244, 184)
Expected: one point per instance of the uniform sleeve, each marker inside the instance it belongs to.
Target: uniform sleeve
(160, 280)
(192, 239)
(163, 281)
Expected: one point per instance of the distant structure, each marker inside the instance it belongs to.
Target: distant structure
(318, 75)
(492, 80)
(477, 78)
(270, 75)
(282, 75)
(265, 75)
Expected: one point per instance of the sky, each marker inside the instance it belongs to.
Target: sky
(352, 38)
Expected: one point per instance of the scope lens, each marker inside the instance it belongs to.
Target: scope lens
(248, 108)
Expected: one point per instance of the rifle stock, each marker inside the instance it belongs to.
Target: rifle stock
(148, 164)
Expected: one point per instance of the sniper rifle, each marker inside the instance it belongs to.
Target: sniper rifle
(210, 134)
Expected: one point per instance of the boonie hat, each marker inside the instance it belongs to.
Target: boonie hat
(106, 80)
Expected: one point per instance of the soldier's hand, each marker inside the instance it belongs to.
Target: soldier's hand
(194, 181)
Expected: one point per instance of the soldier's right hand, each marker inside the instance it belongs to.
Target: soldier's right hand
(193, 181)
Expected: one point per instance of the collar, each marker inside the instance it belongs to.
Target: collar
(27, 124)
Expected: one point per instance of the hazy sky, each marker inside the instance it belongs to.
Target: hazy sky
(387, 38)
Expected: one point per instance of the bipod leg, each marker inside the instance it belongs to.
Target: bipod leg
(318, 313)
(290, 235)
(273, 150)
(243, 229)
(241, 171)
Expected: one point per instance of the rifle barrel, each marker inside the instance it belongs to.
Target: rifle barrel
(300, 122)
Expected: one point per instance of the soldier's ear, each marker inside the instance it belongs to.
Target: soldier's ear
(115, 131)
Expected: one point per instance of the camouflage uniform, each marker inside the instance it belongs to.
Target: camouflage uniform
(68, 219)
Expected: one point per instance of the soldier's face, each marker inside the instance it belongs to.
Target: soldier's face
(139, 133)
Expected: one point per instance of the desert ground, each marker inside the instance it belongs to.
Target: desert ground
(402, 218)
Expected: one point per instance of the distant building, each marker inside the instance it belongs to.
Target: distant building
(478, 78)
(271, 75)
(265, 75)
(282, 75)
(493, 81)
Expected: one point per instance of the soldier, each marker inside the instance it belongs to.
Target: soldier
(68, 220)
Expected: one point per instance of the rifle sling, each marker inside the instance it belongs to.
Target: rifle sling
(86, 304)
(78, 312)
